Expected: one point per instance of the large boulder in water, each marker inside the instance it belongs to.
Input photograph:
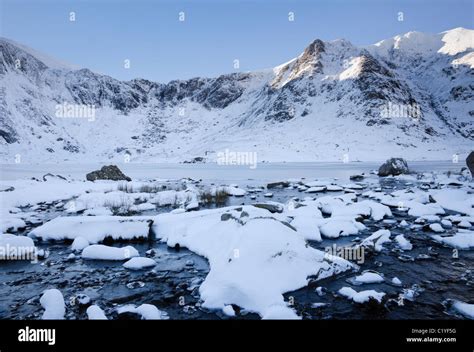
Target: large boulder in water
(109, 172)
(393, 166)
(470, 163)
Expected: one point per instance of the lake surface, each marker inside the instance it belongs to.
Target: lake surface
(219, 173)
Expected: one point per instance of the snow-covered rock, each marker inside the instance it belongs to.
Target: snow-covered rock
(368, 278)
(362, 296)
(102, 252)
(463, 239)
(79, 244)
(147, 311)
(234, 249)
(403, 243)
(94, 312)
(138, 263)
(376, 240)
(52, 301)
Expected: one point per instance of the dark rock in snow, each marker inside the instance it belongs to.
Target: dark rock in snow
(470, 163)
(110, 172)
(48, 176)
(271, 207)
(393, 166)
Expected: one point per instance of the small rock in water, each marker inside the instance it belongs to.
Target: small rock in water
(406, 258)
(282, 184)
(436, 228)
(71, 257)
(446, 224)
(396, 281)
(229, 310)
(356, 177)
(321, 291)
(403, 223)
(268, 195)
(135, 284)
(83, 299)
(42, 254)
(318, 305)
(150, 252)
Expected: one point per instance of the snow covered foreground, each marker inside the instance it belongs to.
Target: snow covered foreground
(256, 252)
(254, 256)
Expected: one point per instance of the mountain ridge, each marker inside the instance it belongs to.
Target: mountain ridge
(330, 89)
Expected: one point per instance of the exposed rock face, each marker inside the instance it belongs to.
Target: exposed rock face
(470, 163)
(110, 172)
(393, 166)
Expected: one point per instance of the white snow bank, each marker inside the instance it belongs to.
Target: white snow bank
(253, 261)
(458, 200)
(463, 239)
(52, 301)
(138, 263)
(94, 228)
(101, 252)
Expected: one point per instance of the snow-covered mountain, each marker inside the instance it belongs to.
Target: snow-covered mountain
(409, 96)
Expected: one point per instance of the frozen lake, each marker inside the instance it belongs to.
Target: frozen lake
(218, 173)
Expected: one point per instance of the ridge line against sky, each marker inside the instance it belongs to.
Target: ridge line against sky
(213, 34)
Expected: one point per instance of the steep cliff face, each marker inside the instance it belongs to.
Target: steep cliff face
(333, 99)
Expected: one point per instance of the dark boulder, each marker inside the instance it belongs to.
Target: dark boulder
(109, 172)
(393, 166)
(281, 184)
(470, 163)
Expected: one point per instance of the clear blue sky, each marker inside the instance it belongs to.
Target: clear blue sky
(214, 33)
